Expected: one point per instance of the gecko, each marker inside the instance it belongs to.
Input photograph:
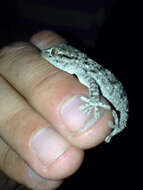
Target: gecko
(100, 82)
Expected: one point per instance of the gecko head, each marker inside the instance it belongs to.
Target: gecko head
(61, 56)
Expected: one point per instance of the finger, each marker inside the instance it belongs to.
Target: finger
(14, 167)
(33, 138)
(46, 38)
(49, 90)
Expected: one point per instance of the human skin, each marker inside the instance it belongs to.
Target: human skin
(38, 107)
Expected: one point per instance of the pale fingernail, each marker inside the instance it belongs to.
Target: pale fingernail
(72, 117)
(48, 145)
(35, 179)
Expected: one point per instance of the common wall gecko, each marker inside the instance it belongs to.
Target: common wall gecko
(99, 80)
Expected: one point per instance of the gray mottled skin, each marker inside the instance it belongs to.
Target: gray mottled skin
(100, 82)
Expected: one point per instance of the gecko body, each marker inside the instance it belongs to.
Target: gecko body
(100, 82)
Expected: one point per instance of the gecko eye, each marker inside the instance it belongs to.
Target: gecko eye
(54, 52)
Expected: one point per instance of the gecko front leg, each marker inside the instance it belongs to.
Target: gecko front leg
(93, 103)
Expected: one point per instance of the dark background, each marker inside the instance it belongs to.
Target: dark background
(107, 31)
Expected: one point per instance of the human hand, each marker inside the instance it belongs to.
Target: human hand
(40, 142)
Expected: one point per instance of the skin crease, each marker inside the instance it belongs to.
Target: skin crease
(32, 95)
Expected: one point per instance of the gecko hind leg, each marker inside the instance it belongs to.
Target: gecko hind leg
(114, 125)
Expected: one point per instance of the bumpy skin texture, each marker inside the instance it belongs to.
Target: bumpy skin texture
(99, 80)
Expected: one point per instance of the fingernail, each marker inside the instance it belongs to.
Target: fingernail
(36, 179)
(48, 145)
(72, 117)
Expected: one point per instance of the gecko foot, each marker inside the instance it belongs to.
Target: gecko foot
(116, 130)
(89, 105)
